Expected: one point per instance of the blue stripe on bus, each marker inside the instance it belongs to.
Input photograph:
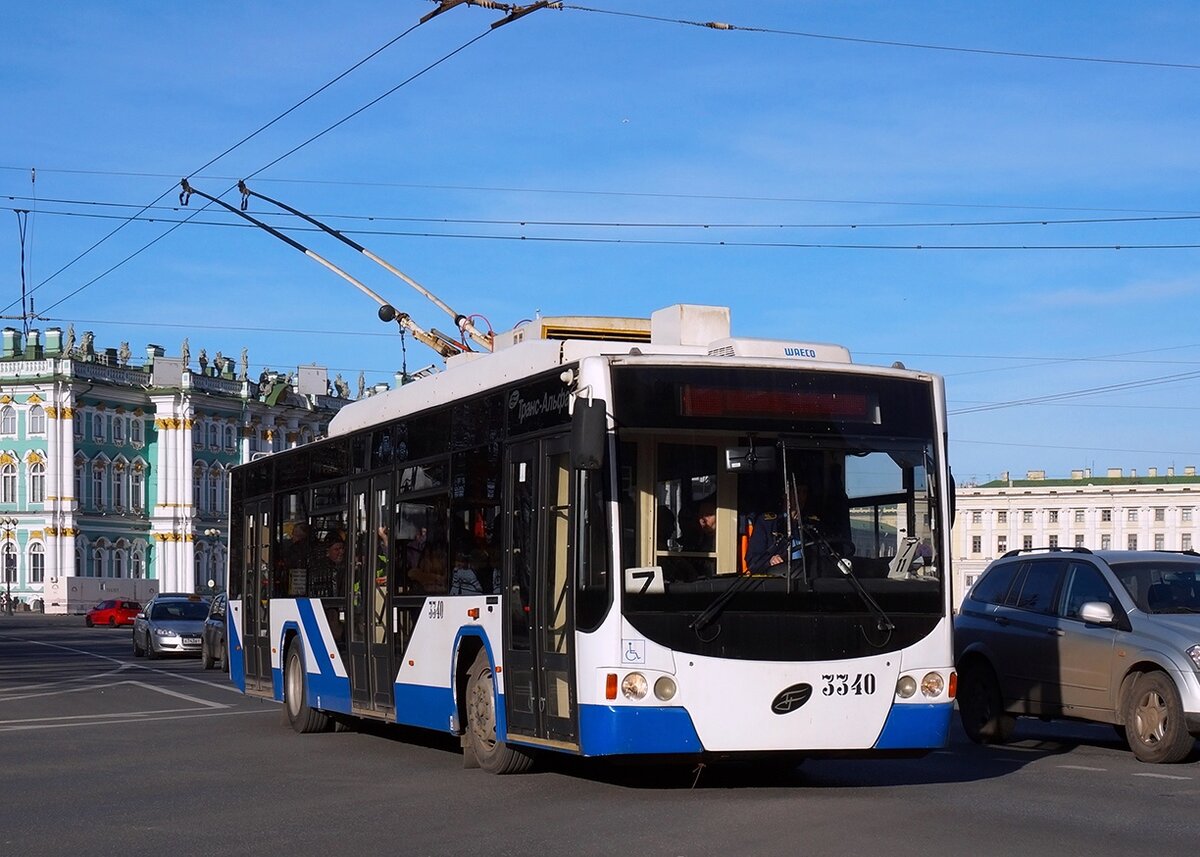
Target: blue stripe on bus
(916, 727)
(609, 730)
(326, 689)
(237, 657)
(422, 705)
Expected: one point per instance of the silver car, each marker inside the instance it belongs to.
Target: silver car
(170, 625)
(1111, 637)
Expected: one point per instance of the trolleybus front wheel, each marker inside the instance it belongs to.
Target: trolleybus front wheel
(492, 754)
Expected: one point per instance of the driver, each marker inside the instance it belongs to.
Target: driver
(772, 539)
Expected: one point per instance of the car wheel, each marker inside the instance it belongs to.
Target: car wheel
(1154, 721)
(981, 706)
(137, 650)
(151, 654)
(206, 658)
(87, 620)
(295, 696)
(482, 747)
(112, 621)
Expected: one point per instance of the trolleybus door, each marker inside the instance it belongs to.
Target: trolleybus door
(371, 660)
(256, 595)
(539, 677)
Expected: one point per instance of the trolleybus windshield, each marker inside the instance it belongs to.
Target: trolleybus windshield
(778, 513)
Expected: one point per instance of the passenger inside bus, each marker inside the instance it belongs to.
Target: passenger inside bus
(701, 533)
(325, 578)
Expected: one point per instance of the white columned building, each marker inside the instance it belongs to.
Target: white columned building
(1118, 511)
(115, 475)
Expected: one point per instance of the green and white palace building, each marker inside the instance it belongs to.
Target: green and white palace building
(114, 475)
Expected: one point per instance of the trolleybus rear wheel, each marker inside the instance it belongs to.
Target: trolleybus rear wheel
(295, 695)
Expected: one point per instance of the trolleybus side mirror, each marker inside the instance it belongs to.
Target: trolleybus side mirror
(589, 434)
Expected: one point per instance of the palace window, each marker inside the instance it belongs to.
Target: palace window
(37, 420)
(37, 483)
(37, 563)
(8, 483)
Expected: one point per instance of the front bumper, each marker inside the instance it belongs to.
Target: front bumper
(175, 645)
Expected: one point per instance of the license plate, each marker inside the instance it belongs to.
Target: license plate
(191, 640)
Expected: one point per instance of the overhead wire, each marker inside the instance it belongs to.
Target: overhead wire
(642, 194)
(665, 242)
(635, 224)
(209, 163)
(1072, 394)
(891, 43)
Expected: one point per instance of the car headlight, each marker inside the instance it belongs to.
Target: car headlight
(933, 684)
(1194, 654)
(634, 686)
(906, 687)
(165, 632)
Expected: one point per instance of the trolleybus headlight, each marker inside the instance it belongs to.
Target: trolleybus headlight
(933, 684)
(634, 686)
(906, 687)
(665, 688)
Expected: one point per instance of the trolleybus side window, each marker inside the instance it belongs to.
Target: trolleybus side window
(474, 516)
(293, 546)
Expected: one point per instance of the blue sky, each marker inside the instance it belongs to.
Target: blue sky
(732, 150)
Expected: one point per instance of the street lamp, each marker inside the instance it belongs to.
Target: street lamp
(212, 533)
(9, 525)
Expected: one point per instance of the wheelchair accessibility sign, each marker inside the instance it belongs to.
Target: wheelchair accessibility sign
(633, 651)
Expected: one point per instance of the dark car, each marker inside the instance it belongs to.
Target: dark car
(1109, 637)
(170, 625)
(212, 641)
(112, 612)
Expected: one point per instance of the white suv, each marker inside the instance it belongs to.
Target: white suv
(1110, 636)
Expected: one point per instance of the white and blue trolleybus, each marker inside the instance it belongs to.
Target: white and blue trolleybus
(612, 537)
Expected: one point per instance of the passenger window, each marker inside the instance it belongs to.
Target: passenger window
(993, 586)
(1036, 589)
(1084, 584)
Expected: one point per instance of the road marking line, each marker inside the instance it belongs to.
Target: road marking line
(121, 665)
(1163, 776)
(1081, 768)
(84, 688)
(139, 720)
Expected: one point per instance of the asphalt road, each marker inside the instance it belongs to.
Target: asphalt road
(104, 754)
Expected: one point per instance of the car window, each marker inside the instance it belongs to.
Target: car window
(180, 610)
(1085, 583)
(1034, 590)
(993, 586)
(103, 605)
(1166, 585)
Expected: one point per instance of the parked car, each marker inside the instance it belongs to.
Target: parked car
(1110, 637)
(170, 624)
(212, 642)
(112, 612)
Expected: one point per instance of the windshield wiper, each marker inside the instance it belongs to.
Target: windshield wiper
(883, 621)
(713, 610)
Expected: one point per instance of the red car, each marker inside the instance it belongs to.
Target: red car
(113, 613)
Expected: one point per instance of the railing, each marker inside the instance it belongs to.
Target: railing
(209, 384)
(112, 374)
